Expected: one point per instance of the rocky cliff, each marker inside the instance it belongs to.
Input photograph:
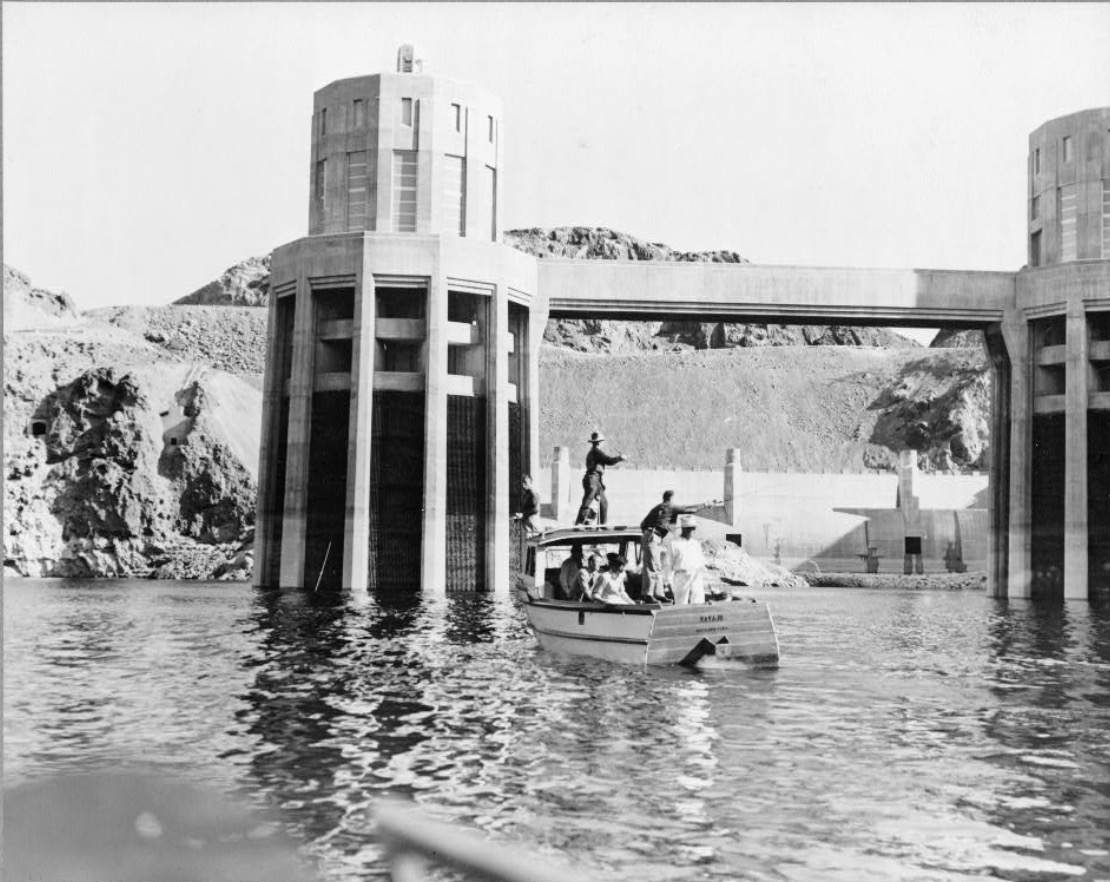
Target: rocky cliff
(121, 459)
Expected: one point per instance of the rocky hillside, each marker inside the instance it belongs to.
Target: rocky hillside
(230, 338)
(812, 409)
(121, 458)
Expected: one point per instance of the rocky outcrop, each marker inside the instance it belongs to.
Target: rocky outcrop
(27, 307)
(100, 490)
(601, 243)
(941, 408)
(951, 338)
(119, 455)
(245, 284)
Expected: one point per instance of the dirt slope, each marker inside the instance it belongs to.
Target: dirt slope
(796, 409)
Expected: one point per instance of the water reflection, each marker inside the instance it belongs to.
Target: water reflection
(906, 735)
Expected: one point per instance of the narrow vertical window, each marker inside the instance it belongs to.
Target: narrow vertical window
(491, 189)
(456, 115)
(1035, 208)
(406, 111)
(1035, 249)
(356, 190)
(1037, 161)
(454, 195)
(1067, 148)
(323, 122)
(321, 182)
(1067, 218)
(360, 112)
(404, 191)
(490, 129)
(1106, 219)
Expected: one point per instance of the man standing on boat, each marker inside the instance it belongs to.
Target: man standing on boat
(689, 566)
(656, 527)
(593, 484)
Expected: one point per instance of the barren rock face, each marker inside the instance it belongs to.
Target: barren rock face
(245, 284)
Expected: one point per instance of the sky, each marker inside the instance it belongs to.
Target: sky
(147, 147)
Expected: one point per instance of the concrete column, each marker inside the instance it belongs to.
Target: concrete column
(356, 526)
(998, 511)
(497, 446)
(537, 322)
(561, 499)
(1015, 333)
(733, 475)
(266, 511)
(1075, 456)
(300, 434)
(434, 549)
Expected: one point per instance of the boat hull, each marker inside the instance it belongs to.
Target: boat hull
(656, 635)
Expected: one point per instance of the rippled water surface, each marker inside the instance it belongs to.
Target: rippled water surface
(905, 735)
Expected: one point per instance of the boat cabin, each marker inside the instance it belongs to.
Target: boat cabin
(544, 553)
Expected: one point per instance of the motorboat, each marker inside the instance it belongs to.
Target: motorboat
(725, 626)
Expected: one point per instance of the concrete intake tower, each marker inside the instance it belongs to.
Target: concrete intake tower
(400, 395)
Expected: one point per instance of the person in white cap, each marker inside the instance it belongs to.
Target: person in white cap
(593, 484)
(689, 565)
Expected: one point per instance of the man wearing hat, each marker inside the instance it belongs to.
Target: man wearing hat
(656, 527)
(689, 565)
(593, 485)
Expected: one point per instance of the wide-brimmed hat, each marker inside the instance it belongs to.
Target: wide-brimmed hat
(687, 522)
(595, 437)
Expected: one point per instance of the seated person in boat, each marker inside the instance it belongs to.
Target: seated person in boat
(688, 566)
(568, 571)
(584, 579)
(609, 583)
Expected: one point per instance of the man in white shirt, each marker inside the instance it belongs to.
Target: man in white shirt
(688, 566)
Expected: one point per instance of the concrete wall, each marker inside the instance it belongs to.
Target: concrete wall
(770, 507)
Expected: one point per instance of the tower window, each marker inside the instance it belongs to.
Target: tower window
(321, 180)
(360, 112)
(1068, 151)
(1068, 197)
(323, 122)
(1035, 249)
(456, 111)
(1035, 208)
(1106, 218)
(356, 190)
(454, 195)
(1037, 161)
(404, 191)
(406, 111)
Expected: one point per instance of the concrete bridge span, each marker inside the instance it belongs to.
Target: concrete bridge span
(785, 294)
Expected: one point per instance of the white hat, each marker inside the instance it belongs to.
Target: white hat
(688, 522)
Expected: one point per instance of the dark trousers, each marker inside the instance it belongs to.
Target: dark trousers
(593, 487)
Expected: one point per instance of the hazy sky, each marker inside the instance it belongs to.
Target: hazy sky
(147, 147)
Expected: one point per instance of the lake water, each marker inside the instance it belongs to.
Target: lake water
(905, 735)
